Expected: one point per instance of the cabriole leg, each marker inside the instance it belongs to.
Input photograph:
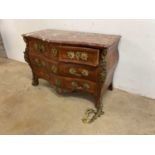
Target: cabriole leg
(35, 80)
(111, 86)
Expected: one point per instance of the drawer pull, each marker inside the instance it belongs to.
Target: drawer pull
(71, 55)
(54, 52)
(77, 55)
(73, 71)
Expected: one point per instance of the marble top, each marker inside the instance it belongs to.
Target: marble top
(76, 38)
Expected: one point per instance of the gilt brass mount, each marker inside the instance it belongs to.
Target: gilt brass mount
(54, 69)
(77, 55)
(73, 71)
(39, 63)
(39, 47)
(54, 52)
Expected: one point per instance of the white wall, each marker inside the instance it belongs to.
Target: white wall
(136, 69)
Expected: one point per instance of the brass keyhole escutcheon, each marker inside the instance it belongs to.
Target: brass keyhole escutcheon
(54, 52)
(54, 69)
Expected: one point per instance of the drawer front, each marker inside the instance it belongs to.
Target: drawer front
(79, 55)
(78, 71)
(72, 84)
(74, 70)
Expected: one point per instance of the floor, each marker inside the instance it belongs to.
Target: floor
(25, 109)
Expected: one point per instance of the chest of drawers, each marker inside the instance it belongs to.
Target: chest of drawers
(73, 61)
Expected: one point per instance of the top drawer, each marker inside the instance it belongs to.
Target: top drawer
(79, 55)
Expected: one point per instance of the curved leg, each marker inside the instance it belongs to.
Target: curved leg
(111, 86)
(35, 80)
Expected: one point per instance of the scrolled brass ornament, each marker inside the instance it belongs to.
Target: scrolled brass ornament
(74, 72)
(84, 56)
(84, 72)
(71, 54)
(78, 55)
(103, 73)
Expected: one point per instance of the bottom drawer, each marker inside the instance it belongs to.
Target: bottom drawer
(73, 84)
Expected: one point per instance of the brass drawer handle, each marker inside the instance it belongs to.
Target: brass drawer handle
(73, 71)
(71, 54)
(75, 85)
(54, 52)
(77, 55)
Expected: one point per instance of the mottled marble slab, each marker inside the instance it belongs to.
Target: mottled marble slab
(75, 38)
